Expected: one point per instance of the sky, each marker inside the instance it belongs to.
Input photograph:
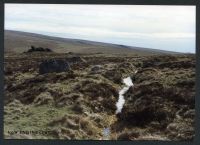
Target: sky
(169, 28)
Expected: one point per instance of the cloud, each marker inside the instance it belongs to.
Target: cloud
(117, 23)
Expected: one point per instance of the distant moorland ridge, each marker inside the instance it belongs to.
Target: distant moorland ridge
(18, 42)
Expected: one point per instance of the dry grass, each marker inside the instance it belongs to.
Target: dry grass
(80, 103)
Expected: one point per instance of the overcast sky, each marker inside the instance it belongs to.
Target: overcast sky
(160, 27)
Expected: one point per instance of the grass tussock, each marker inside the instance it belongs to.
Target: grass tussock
(81, 103)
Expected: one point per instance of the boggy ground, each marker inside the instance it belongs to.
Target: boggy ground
(80, 103)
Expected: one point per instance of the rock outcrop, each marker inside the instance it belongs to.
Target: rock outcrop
(53, 65)
(38, 49)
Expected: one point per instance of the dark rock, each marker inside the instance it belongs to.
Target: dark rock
(39, 49)
(52, 65)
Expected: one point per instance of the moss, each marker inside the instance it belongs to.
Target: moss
(33, 118)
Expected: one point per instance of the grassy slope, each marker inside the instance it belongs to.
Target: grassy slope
(16, 41)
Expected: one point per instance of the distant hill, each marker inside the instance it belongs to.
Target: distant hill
(16, 41)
